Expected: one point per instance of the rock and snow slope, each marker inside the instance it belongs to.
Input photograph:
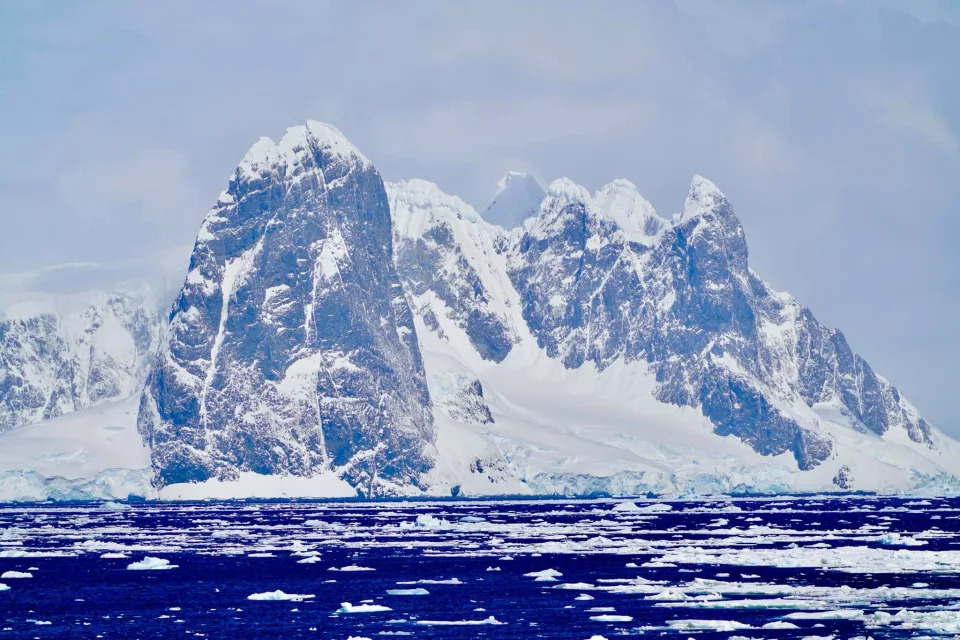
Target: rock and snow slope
(341, 335)
(291, 347)
(638, 344)
(62, 353)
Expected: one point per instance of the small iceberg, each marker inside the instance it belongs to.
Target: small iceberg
(427, 521)
(450, 623)
(408, 592)
(346, 607)
(150, 563)
(632, 507)
(15, 575)
(278, 596)
(547, 575)
(893, 539)
(351, 567)
(611, 618)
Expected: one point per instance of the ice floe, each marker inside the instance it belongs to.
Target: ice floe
(280, 596)
(150, 563)
(346, 607)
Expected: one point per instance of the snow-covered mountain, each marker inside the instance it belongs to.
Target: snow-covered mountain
(637, 346)
(335, 335)
(63, 353)
(291, 347)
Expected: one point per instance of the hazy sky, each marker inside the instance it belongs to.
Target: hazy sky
(833, 127)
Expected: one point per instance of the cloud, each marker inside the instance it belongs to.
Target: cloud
(461, 130)
(903, 110)
(148, 183)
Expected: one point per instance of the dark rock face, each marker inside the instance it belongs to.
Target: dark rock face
(291, 347)
(59, 360)
(715, 335)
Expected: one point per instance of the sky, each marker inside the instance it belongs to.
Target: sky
(833, 127)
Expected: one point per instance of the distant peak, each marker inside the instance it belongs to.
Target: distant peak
(513, 179)
(703, 197)
(518, 197)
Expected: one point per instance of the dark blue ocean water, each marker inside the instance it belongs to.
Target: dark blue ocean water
(805, 566)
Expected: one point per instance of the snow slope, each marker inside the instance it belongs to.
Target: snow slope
(64, 352)
(95, 453)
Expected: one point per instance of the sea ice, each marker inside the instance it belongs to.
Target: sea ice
(438, 623)
(280, 596)
(150, 563)
(346, 607)
(547, 575)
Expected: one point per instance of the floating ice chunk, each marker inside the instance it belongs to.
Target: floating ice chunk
(836, 614)
(15, 574)
(351, 567)
(668, 594)
(894, 539)
(427, 521)
(280, 596)
(408, 592)
(657, 564)
(632, 507)
(4, 587)
(936, 622)
(493, 568)
(780, 624)
(150, 563)
(438, 623)
(713, 625)
(429, 581)
(584, 596)
(114, 554)
(611, 618)
(346, 607)
(547, 575)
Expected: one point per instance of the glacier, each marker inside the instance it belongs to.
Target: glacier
(337, 335)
